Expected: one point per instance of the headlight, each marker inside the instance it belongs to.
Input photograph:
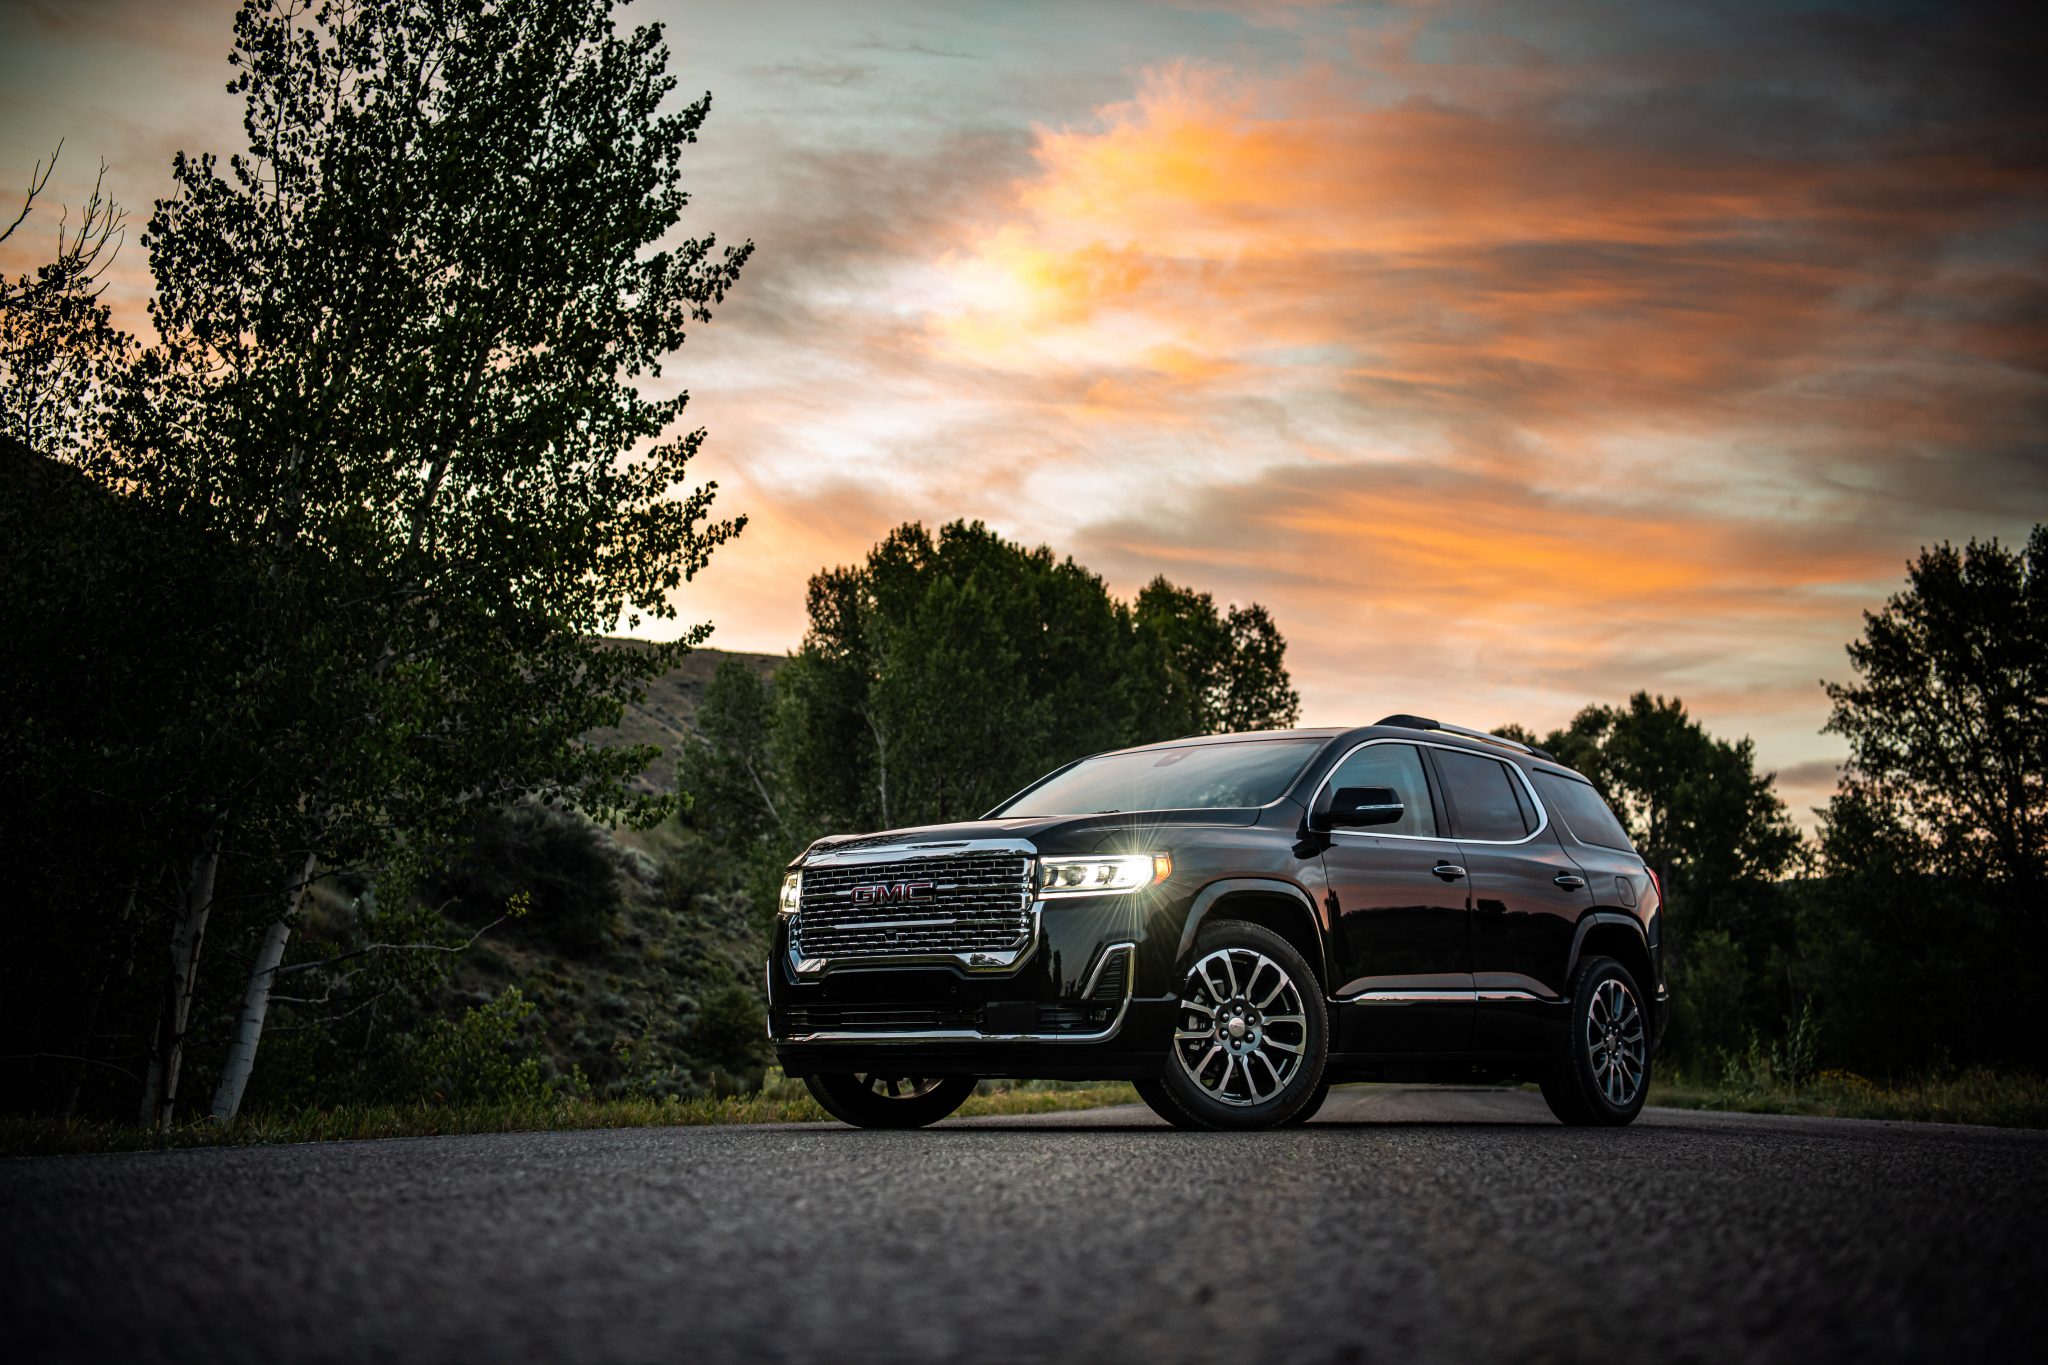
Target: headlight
(1114, 875)
(792, 893)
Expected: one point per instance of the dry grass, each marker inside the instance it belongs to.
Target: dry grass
(783, 1102)
(1978, 1095)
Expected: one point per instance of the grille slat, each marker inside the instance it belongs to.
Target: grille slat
(959, 903)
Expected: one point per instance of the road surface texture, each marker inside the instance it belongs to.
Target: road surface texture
(1404, 1224)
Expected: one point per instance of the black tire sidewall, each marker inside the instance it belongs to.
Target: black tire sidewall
(1273, 1113)
(844, 1097)
(1308, 1110)
(1160, 1101)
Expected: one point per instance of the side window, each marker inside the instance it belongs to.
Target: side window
(1397, 766)
(1582, 810)
(1483, 797)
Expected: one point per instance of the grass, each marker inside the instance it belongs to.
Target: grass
(1978, 1095)
(780, 1101)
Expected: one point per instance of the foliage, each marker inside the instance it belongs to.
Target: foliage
(398, 416)
(943, 674)
(729, 764)
(732, 1032)
(1209, 673)
(777, 1101)
(475, 1059)
(1976, 1095)
(1933, 850)
(562, 863)
(1946, 722)
(61, 357)
(1784, 1065)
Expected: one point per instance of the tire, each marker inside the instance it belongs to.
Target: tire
(1603, 1074)
(1308, 1111)
(865, 1100)
(1247, 1051)
(1161, 1102)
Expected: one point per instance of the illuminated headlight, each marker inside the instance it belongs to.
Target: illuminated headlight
(792, 893)
(1116, 875)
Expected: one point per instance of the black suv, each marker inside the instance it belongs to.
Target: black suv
(1232, 923)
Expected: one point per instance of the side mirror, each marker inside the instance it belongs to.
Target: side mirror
(1362, 807)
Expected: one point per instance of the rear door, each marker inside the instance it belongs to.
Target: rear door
(1402, 950)
(1527, 891)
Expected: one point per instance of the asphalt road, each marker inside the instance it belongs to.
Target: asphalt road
(1405, 1224)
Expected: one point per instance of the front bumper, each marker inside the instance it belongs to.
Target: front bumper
(1088, 998)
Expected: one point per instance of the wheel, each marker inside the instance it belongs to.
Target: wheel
(1161, 1102)
(1602, 1076)
(1250, 1032)
(871, 1101)
(1308, 1111)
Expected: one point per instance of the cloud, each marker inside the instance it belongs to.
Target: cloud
(1515, 357)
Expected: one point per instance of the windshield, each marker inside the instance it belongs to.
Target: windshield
(1185, 777)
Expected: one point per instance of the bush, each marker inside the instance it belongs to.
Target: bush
(480, 1058)
(732, 1032)
(565, 864)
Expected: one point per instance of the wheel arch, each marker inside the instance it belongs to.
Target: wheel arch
(1609, 933)
(1281, 906)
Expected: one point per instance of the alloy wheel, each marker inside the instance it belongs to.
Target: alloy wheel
(1615, 1042)
(897, 1087)
(1241, 1033)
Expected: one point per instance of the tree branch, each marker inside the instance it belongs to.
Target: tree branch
(369, 948)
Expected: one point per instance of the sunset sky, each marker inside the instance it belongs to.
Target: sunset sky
(1515, 355)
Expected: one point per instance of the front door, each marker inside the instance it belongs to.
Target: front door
(1402, 953)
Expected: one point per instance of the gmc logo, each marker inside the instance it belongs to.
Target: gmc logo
(891, 893)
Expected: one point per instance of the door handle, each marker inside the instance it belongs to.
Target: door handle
(1450, 872)
(1568, 881)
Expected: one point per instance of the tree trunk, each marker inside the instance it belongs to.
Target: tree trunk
(188, 936)
(241, 1059)
(881, 765)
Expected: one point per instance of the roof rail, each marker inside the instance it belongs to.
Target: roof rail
(1408, 722)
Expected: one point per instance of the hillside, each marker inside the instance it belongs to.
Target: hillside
(642, 953)
(664, 718)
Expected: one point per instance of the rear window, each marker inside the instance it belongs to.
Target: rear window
(1484, 802)
(1583, 812)
(1184, 777)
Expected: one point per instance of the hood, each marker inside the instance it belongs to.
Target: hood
(1121, 831)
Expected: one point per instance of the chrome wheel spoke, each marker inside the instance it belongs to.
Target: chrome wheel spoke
(1615, 1041)
(1267, 1001)
(1227, 996)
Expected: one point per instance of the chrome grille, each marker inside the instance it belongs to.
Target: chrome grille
(978, 902)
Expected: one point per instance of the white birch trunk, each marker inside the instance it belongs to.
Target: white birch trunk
(188, 937)
(241, 1059)
(881, 765)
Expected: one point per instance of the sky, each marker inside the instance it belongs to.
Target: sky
(1517, 356)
